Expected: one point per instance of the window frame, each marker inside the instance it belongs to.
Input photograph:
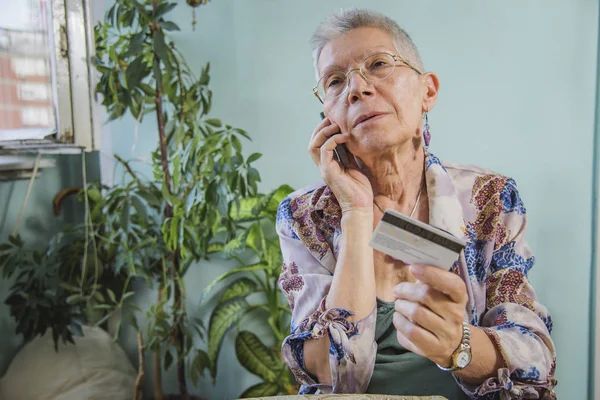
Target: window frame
(72, 38)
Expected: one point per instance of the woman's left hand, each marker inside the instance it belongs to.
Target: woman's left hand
(429, 313)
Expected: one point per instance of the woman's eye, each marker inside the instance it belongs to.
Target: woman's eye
(333, 82)
(378, 64)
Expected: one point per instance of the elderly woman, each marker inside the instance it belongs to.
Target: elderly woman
(363, 321)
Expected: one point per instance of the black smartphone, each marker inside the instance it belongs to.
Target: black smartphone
(340, 152)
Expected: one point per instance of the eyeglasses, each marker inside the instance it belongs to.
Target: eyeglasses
(374, 68)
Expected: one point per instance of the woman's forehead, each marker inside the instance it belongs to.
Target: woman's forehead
(352, 47)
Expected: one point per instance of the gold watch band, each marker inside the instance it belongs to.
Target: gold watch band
(463, 349)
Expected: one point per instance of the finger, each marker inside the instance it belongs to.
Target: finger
(419, 337)
(321, 136)
(436, 301)
(420, 315)
(326, 149)
(324, 122)
(446, 282)
(407, 344)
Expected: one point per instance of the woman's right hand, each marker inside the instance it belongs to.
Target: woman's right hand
(350, 186)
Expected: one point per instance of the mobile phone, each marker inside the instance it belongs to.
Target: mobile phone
(340, 152)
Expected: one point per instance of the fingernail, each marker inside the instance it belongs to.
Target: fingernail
(415, 270)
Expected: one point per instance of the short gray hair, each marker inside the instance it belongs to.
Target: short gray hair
(345, 20)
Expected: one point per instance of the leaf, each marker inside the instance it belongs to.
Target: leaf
(103, 307)
(278, 195)
(74, 298)
(256, 357)
(169, 26)
(236, 144)
(240, 288)
(157, 72)
(224, 317)
(160, 47)
(147, 89)
(162, 9)
(168, 360)
(215, 248)
(111, 295)
(264, 389)
(253, 239)
(125, 215)
(214, 122)
(253, 157)
(244, 211)
(133, 322)
(117, 331)
(140, 208)
(205, 77)
(200, 363)
(126, 296)
(94, 194)
(274, 258)
(236, 245)
(176, 162)
(110, 15)
(15, 240)
(144, 13)
(135, 45)
(134, 71)
(151, 198)
(245, 268)
(253, 175)
(76, 328)
(241, 132)
(70, 287)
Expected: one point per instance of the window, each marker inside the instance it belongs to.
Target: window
(35, 92)
(46, 82)
(37, 116)
(29, 67)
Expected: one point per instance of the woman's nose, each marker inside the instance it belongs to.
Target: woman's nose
(358, 87)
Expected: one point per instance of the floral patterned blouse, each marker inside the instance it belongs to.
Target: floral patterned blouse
(478, 205)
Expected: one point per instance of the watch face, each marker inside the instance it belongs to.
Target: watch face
(463, 359)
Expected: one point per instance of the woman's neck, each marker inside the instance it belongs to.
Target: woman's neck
(396, 176)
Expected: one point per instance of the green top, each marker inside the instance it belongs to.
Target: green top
(401, 372)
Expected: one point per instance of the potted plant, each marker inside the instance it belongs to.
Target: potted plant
(201, 201)
(256, 249)
(202, 185)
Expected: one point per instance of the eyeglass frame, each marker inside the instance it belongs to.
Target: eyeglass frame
(396, 57)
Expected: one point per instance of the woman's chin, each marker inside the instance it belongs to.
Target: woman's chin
(375, 145)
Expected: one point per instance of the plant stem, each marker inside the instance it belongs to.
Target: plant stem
(137, 391)
(181, 86)
(178, 337)
(157, 372)
(127, 167)
(156, 358)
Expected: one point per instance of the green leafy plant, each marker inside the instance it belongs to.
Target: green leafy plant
(200, 182)
(79, 278)
(201, 201)
(256, 248)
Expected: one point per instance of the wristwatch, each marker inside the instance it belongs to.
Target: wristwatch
(462, 355)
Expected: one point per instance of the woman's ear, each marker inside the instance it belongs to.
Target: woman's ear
(431, 85)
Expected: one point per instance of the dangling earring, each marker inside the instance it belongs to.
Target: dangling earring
(426, 133)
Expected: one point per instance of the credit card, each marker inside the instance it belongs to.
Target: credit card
(414, 242)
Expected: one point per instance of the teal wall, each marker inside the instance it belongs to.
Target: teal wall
(517, 96)
(38, 223)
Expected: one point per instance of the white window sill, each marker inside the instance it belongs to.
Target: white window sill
(44, 146)
(21, 167)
